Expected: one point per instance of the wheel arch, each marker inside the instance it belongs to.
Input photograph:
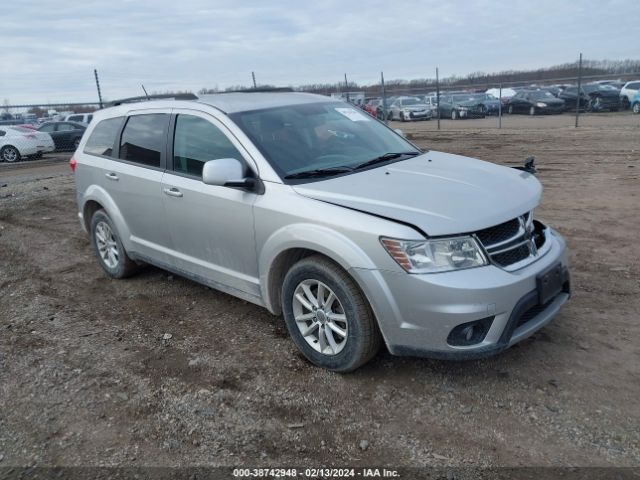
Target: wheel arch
(289, 245)
(96, 198)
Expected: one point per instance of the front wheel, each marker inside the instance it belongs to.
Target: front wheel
(327, 315)
(9, 153)
(532, 111)
(454, 114)
(636, 107)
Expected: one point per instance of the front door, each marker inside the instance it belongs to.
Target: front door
(211, 226)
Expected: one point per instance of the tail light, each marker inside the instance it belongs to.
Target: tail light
(72, 164)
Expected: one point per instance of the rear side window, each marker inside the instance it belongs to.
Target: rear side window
(197, 141)
(65, 127)
(75, 118)
(144, 138)
(103, 137)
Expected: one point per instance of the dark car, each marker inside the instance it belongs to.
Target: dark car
(593, 97)
(66, 135)
(381, 114)
(535, 102)
(462, 105)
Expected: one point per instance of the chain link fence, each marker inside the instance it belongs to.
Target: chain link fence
(29, 131)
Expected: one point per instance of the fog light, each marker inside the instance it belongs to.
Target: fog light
(470, 333)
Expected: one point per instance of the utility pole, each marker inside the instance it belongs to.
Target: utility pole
(95, 74)
(500, 107)
(578, 95)
(384, 99)
(346, 85)
(253, 76)
(438, 96)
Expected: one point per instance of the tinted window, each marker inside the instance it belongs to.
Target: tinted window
(634, 86)
(197, 141)
(103, 137)
(66, 127)
(143, 139)
(75, 118)
(47, 128)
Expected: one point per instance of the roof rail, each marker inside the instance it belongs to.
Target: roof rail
(258, 90)
(144, 98)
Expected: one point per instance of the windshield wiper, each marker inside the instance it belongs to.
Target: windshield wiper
(384, 158)
(319, 172)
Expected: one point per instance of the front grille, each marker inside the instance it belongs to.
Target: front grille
(511, 256)
(499, 233)
(513, 241)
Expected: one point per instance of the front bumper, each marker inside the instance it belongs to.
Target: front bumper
(417, 313)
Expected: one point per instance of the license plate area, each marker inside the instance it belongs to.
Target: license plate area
(550, 282)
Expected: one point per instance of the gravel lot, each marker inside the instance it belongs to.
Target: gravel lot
(158, 370)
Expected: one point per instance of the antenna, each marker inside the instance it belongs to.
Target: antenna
(145, 92)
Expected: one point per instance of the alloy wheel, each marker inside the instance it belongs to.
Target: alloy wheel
(320, 317)
(107, 245)
(10, 154)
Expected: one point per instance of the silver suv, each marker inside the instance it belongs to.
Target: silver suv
(317, 211)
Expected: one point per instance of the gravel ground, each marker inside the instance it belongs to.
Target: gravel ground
(158, 370)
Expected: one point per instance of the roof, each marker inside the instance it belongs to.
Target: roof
(245, 101)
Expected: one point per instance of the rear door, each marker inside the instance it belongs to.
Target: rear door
(134, 180)
(212, 227)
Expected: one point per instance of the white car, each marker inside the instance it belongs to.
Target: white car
(79, 117)
(409, 108)
(629, 91)
(19, 142)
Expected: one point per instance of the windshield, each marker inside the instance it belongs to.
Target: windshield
(541, 95)
(411, 101)
(316, 136)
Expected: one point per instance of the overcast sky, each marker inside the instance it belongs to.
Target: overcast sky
(50, 48)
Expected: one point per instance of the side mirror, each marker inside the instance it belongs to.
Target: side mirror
(227, 172)
(399, 132)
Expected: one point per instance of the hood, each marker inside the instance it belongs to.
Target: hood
(439, 193)
(418, 107)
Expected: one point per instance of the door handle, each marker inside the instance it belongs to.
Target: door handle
(111, 176)
(173, 192)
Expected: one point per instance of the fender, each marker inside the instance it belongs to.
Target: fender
(319, 238)
(98, 194)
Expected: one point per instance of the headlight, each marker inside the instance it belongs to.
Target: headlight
(438, 255)
(541, 104)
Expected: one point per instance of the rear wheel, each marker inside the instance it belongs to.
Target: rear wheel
(108, 248)
(9, 153)
(327, 316)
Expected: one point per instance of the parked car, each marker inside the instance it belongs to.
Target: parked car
(504, 95)
(593, 97)
(535, 102)
(628, 91)
(18, 142)
(461, 105)
(635, 103)
(407, 109)
(66, 135)
(326, 216)
(371, 106)
(79, 117)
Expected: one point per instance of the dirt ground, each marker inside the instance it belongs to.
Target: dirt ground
(86, 377)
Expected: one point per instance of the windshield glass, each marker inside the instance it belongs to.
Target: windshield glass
(314, 136)
(541, 95)
(411, 101)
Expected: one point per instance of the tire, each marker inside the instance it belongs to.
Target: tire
(532, 111)
(595, 105)
(360, 337)
(454, 114)
(108, 248)
(10, 154)
(636, 108)
(510, 110)
(624, 103)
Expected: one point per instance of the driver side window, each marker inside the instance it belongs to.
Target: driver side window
(197, 141)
